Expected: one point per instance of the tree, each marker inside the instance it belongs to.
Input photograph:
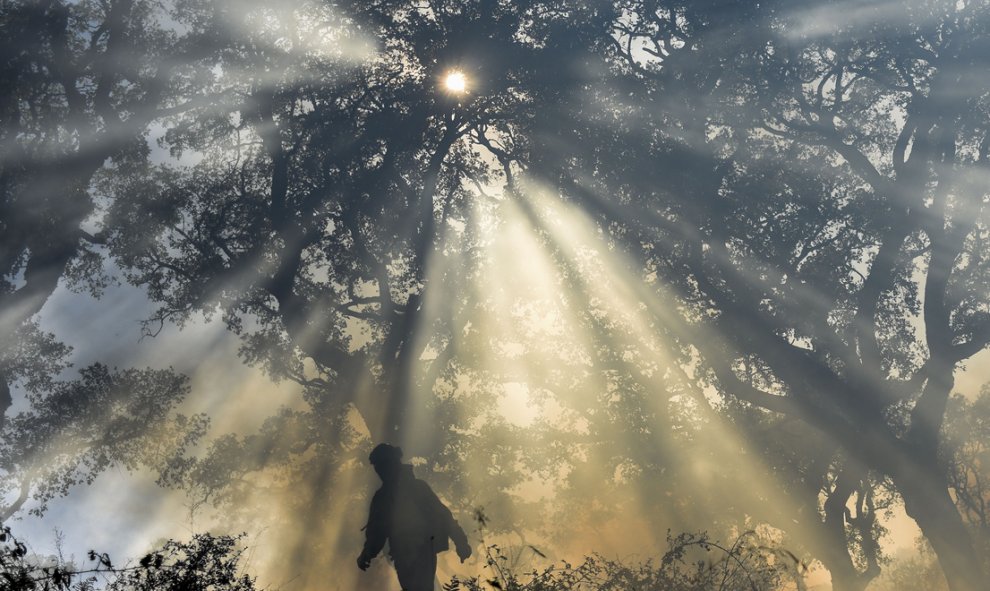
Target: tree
(325, 185)
(82, 82)
(806, 194)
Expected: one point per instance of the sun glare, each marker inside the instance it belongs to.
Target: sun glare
(455, 82)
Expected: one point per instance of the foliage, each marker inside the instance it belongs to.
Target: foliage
(205, 563)
(74, 430)
(693, 562)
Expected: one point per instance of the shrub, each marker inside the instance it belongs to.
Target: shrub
(694, 562)
(206, 563)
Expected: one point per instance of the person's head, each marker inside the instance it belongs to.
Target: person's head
(387, 460)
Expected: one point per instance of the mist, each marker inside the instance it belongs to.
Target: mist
(659, 294)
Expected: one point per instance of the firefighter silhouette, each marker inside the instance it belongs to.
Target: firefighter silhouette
(406, 513)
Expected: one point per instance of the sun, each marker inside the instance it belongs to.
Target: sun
(455, 82)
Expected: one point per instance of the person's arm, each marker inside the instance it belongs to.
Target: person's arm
(375, 532)
(454, 530)
(460, 540)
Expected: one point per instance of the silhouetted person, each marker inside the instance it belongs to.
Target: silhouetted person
(406, 513)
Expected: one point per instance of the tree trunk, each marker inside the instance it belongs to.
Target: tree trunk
(930, 505)
(834, 552)
(399, 352)
(5, 399)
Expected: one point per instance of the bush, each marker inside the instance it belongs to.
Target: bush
(694, 562)
(206, 563)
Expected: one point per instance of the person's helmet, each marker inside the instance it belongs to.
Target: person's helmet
(385, 454)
